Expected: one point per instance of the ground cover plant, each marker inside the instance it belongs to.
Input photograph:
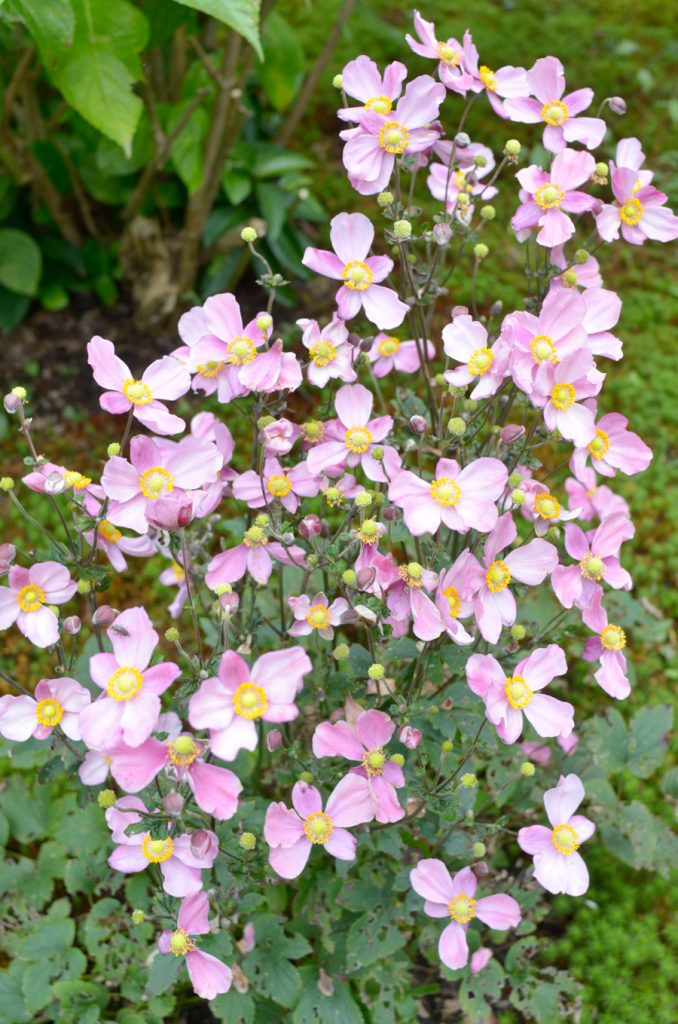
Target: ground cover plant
(444, 492)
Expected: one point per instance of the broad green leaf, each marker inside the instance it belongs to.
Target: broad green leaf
(20, 262)
(234, 1007)
(52, 935)
(162, 974)
(11, 995)
(315, 1007)
(241, 15)
(282, 72)
(648, 739)
(97, 73)
(237, 185)
(273, 205)
(187, 156)
(50, 24)
(272, 161)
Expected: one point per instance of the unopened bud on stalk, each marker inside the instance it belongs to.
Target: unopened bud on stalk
(402, 229)
(392, 513)
(512, 147)
(113, 449)
(479, 850)
(469, 780)
(84, 587)
(341, 652)
(366, 577)
(310, 526)
(488, 212)
(19, 393)
(463, 199)
(338, 81)
(409, 737)
(462, 140)
(247, 841)
(602, 169)
(447, 746)
(306, 777)
(173, 803)
(385, 198)
(479, 160)
(11, 403)
(398, 759)
(172, 634)
(442, 233)
(104, 615)
(518, 497)
(264, 321)
(377, 454)
(248, 234)
(518, 632)
(480, 251)
(418, 425)
(569, 278)
(274, 740)
(363, 500)
(201, 844)
(72, 625)
(527, 769)
(617, 105)
(582, 256)
(456, 426)
(138, 917)
(348, 577)
(376, 671)
(6, 484)
(106, 798)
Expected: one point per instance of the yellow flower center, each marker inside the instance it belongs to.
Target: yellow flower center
(30, 598)
(357, 276)
(592, 568)
(550, 196)
(76, 480)
(318, 616)
(379, 104)
(358, 439)
(563, 396)
(488, 77)
(565, 839)
(388, 346)
(157, 850)
(518, 692)
(394, 137)
(631, 212)
(181, 943)
(445, 491)
(412, 574)
(543, 349)
(241, 351)
(179, 572)
(211, 368)
(453, 601)
(374, 761)
(49, 712)
(600, 445)
(318, 827)
(255, 537)
(155, 482)
(613, 638)
(250, 701)
(368, 533)
(498, 576)
(108, 531)
(279, 485)
(462, 908)
(480, 362)
(136, 392)
(323, 353)
(448, 55)
(555, 113)
(313, 430)
(124, 683)
(546, 506)
(182, 751)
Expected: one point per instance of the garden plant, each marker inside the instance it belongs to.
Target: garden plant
(344, 775)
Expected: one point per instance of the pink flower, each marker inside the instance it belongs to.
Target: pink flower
(542, 507)
(557, 865)
(180, 867)
(507, 697)
(371, 149)
(361, 80)
(56, 702)
(352, 235)
(255, 555)
(607, 647)
(27, 599)
(50, 478)
(129, 709)
(230, 703)
(558, 390)
(465, 176)
(592, 501)
(639, 212)
(448, 53)
(546, 197)
(451, 896)
(276, 484)
(629, 153)
(278, 438)
(390, 353)
(355, 432)
(587, 274)
(612, 448)
(546, 81)
(480, 959)
(209, 976)
(316, 615)
(165, 379)
(550, 337)
(460, 499)
(273, 370)
(603, 309)
(457, 587)
(94, 768)
(215, 789)
(291, 834)
(156, 469)
(465, 340)
(504, 83)
(364, 741)
(405, 588)
(495, 605)
(409, 737)
(113, 543)
(331, 356)
(597, 557)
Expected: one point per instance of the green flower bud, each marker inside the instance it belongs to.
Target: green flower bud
(402, 229)
(570, 277)
(106, 798)
(518, 496)
(515, 480)
(480, 250)
(602, 169)
(512, 147)
(247, 841)
(338, 81)
(456, 426)
(398, 759)
(138, 917)
(262, 520)
(306, 777)
(84, 587)
(19, 393)
(264, 421)
(248, 234)
(469, 780)
(113, 449)
(6, 484)
(479, 160)
(527, 769)
(172, 634)
(447, 746)
(479, 850)
(377, 454)
(385, 198)
(349, 577)
(518, 632)
(263, 322)
(488, 212)
(463, 199)
(581, 256)
(341, 652)
(376, 671)
(364, 499)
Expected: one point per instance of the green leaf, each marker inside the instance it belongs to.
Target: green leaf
(96, 74)
(241, 15)
(374, 936)
(648, 739)
(237, 185)
(272, 161)
(51, 25)
(315, 1007)
(187, 156)
(273, 203)
(36, 984)
(49, 937)
(282, 72)
(11, 996)
(234, 1007)
(162, 974)
(20, 262)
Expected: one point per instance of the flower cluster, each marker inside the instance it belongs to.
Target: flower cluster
(379, 494)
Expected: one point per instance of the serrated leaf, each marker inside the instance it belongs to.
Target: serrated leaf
(315, 1007)
(374, 936)
(51, 25)
(648, 737)
(49, 937)
(20, 262)
(241, 15)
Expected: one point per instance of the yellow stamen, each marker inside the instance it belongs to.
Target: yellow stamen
(358, 439)
(600, 445)
(565, 839)
(136, 392)
(182, 751)
(445, 492)
(613, 638)
(462, 908)
(255, 537)
(241, 350)
(279, 485)
(49, 712)
(379, 104)
(388, 346)
(157, 850)
(412, 574)
(125, 683)
(631, 211)
(592, 568)
(181, 943)
(546, 506)
(318, 828)
(357, 276)
(318, 616)
(453, 601)
(108, 531)
(30, 598)
(211, 368)
(488, 77)
(76, 480)
(448, 55)
(323, 353)
(563, 396)
(155, 482)
(250, 701)
(543, 349)
(549, 196)
(498, 576)
(555, 113)
(394, 137)
(480, 362)
(374, 761)
(518, 692)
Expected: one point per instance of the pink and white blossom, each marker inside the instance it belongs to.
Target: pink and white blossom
(316, 615)
(55, 703)
(209, 976)
(548, 197)
(28, 599)
(461, 499)
(557, 864)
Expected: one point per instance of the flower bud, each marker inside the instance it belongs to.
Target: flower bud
(479, 850)
(363, 499)
(341, 652)
(201, 844)
(365, 577)
(410, 737)
(602, 169)
(55, 483)
(553, 533)
(512, 147)
(138, 917)
(481, 869)
(6, 484)
(106, 798)
(264, 322)
(518, 497)
(480, 251)
(72, 625)
(7, 556)
(274, 740)
(418, 425)
(488, 212)
(447, 746)
(398, 759)
(479, 160)
(265, 421)
(104, 615)
(376, 671)
(338, 81)
(172, 634)
(170, 512)
(518, 632)
(469, 780)
(462, 140)
(481, 957)
(349, 577)
(527, 769)
(306, 777)
(84, 587)
(310, 526)
(569, 278)
(247, 841)
(463, 199)
(392, 513)
(385, 198)
(402, 229)
(173, 803)
(456, 426)
(248, 234)
(11, 403)
(377, 454)
(617, 105)
(113, 449)
(582, 256)
(442, 233)
(19, 393)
